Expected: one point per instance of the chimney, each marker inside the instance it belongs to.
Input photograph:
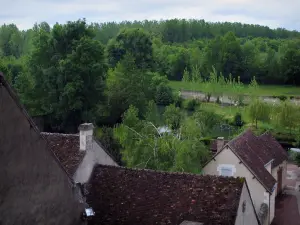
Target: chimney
(86, 136)
(220, 143)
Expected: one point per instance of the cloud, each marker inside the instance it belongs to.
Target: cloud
(273, 13)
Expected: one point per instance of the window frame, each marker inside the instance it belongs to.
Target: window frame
(229, 167)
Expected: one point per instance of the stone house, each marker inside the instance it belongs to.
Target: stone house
(79, 153)
(261, 160)
(123, 196)
(34, 187)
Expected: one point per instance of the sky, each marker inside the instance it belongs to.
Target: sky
(272, 13)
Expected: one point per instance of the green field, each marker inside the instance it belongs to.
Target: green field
(263, 90)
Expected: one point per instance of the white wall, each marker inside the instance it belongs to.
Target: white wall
(274, 174)
(248, 217)
(226, 156)
(269, 168)
(96, 155)
(284, 173)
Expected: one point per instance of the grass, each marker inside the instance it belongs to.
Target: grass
(228, 113)
(263, 90)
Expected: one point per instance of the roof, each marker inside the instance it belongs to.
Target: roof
(29, 119)
(279, 154)
(124, 196)
(254, 154)
(66, 148)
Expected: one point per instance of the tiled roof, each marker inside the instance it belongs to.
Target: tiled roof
(125, 196)
(253, 152)
(66, 149)
(279, 154)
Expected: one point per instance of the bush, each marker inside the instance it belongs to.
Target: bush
(192, 104)
(164, 95)
(238, 120)
(178, 100)
(282, 97)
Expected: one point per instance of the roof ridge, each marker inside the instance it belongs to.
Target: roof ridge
(235, 138)
(164, 172)
(60, 134)
(13, 95)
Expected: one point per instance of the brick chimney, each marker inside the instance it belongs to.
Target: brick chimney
(220, 143)
(86, 136)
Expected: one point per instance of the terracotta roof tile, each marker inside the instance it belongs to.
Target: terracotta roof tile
(255, 154)
(279, 154)
(66, 149)
(129, 196)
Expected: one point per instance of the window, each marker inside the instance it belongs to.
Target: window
(226, 170)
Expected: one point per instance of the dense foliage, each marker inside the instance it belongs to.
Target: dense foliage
(115, 74)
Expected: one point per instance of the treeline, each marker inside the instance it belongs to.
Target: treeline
(243, 50)
(181, 30)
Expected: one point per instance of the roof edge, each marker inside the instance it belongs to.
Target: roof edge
(105, 150)
(271, 161)
(245, 183)
(157, 172)
(254, 174)
(13, 95)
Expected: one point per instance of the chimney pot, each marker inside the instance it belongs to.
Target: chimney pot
(86, 136)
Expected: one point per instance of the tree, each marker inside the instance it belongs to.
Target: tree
(69, 72)
(83, 81)
(258, 111)
(186, 76)
(214, 85)
(232, 55)
(287, 114)
(164, 95)
(290, 66)
(143, 146)
(128, 85)
(135, 42)
(173, 117)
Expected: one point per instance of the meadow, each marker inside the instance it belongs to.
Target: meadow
(263, 90)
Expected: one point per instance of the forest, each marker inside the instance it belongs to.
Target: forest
(118, 75)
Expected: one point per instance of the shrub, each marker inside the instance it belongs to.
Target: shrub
(282, 97)
(192, 104)
(178, 100)
(164, 95)
(238, 120)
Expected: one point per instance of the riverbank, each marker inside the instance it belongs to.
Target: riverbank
(263, 90)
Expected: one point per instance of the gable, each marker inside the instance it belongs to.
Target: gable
(35, 188)
(246, 213)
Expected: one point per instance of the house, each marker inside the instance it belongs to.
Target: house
(126, 196)
(261, 160)
(34, 188)
(78, 153)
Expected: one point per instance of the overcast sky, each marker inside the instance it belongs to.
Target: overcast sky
(273, 13)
